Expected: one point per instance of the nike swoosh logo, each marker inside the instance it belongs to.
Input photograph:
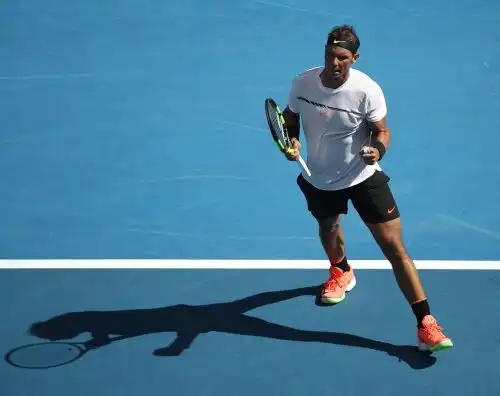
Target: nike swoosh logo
(338, 42)
(391, 210)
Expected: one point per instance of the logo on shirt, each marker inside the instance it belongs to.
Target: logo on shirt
(323, 109)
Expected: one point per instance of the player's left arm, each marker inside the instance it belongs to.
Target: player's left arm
(376, 117)
(381, 136)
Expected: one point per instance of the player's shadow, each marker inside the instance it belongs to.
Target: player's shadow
(189, 322)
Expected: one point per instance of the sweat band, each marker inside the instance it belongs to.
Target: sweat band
(380, 147)
(348, 45)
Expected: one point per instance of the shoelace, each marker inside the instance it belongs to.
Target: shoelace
(336, 280)
(433, 331)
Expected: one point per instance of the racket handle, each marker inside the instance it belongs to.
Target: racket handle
(303, 165)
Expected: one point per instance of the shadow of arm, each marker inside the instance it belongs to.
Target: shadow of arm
(267, 298)
(182, 342)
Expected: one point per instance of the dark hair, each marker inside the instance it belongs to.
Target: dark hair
(344, 33)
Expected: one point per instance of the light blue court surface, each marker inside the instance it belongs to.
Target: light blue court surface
(135, 130)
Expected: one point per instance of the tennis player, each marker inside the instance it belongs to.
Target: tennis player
(344, 118)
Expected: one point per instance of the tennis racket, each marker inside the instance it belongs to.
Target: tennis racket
(45, 355)
(279, 132)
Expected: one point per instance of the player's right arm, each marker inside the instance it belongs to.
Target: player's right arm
(292, 120)
(292, 123)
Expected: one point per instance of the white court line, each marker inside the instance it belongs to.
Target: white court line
(68, 76)
(48, 77)
(235, 264)
(195, 177)
(461, 223)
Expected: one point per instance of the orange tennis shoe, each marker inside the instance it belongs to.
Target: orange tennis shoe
(335, 288)
(431, 337)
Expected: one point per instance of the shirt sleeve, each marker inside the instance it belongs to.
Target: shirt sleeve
(376, 107)
(293, 102)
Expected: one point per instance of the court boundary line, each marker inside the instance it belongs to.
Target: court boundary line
(236, 264)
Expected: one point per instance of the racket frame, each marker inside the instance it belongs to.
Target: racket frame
(80, 347)
(285, 146)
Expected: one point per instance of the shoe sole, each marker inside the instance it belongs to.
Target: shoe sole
(333, 301)
(446, 344)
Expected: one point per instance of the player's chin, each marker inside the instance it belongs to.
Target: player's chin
(337, 75)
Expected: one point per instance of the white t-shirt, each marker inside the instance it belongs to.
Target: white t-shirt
(335, 128)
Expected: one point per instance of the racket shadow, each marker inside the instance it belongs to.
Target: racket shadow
(189, 322)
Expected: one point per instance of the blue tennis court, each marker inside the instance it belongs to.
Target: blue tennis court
(142, 198)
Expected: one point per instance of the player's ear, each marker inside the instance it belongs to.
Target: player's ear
(355, 57)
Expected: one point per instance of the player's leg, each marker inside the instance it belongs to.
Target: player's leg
(326, 207)
(377, 207)
(332, 239)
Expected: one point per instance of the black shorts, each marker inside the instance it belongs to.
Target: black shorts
(372, 199)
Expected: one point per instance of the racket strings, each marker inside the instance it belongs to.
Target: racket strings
(277, 125)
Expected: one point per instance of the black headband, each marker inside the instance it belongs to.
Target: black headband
(347, 44)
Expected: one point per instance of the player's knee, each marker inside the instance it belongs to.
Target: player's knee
(329, 225)
(391, 244)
